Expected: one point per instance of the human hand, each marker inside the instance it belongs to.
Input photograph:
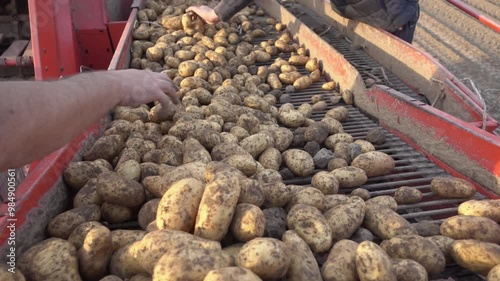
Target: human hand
(143, 86)
(206, 13)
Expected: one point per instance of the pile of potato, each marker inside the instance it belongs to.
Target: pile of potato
(205, 182)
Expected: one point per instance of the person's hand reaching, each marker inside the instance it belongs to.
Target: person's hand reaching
(141, 87)
(206, 13)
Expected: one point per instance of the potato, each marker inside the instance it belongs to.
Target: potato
(303, 265)
(63, 224)
(471, 227)
(476, 256)
(341, 262)
(95, 253)
(407, 195)
(409, 270)
(302, 83)
(452, 187)
(257, 143)
(386, 223)
(365, 146)
(374, 163)
(335, 200)
(130, 170)
(52, 259)
(372, 263)
(325, 182)
(248, 222)
(444, 244)
(269, 258)
(339, 113)
(328, 86)
(334, 126)
(113, 213)
(350, 176)
(231, 274)
(115, 189)
(87, 195)
(123, 237)
(106, 147)
(289, 78)
(251, 192)
(78, 234)
(124, 264)
(345, 219)
(384, 200)
(291, 118)
(216, 208)
(274, 81)
(494, 274)
(115, 278)
(233, 250)
(193, 151)
(271, 158)
(308, 196)
(317, 132)
(156, 243)
(299, 162)
(189, 264)
(276, 193)
(147, 213)
(416, 248)
(178, 207)
(332, 140)
(336, 163)
(283, 137)
(298, 60)
(489, 208)
(77, 174)
(311, 226)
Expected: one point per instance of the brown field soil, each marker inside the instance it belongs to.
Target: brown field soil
(465, 46)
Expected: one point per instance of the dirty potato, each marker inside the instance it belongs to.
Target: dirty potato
(374, 163)
(345, 219)
(269, 258)
(326, 182)
(489, 208)
(248, 222)
(231, 274)
(476, 256)
(386, 223)
(350, 176)
(452, 187)
(341, 262)
(95, 253)
(409, 270)
(63, 224)
(407, 195)
(299, 162)
(303, 265)
(471, 227)
(372, 263)
(118, 190)
(310, 225)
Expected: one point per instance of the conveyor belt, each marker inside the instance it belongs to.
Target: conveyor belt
(358, 58)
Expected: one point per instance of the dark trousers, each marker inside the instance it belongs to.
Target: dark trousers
(407, 31)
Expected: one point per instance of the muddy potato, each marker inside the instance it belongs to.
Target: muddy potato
(269, 258)
(289, 78)
(95, 253)
(416, 248)
(334, 126)
(251, 192)
(52, 259)
(345, 219)
(386, 223)
(341, 262)
(303, 265)
(407, 195)
(361, 193)
(452, 187)
(471, 227)
(372, 263)
(231, 274)
(336, 163)
(283, 137)
(113, 213)
(78, 234)
(332, 140)
(426, 228)
(325, 182)
(298, 60)
(87, 195)
(178, 207)
(124, 264)
(374, 163)
(409, 270)
(193, 151)
(317, 132)
(243, 162)
(257, 143)
(302, 83)
(106, 147)
(248, 222)
(311, 226)
(494, 274)
(334, 200)
(444, 244)
(308, 196)
(339, 113)
(189, 264)
(123, 237)
(365, 146)
(130, 170)
(384, 200)
(350, 176)
(77, 174)
(216, 208)
(276, 194)
(489, 208)
(299, 162)
(271, 158)
(187, 68)
(63, 224)
(115, 189)
(147, 213)
(476, 256)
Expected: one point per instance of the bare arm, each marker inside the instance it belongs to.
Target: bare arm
(36, 118)
(224, 11)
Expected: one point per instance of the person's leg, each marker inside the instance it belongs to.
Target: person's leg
(407, 31)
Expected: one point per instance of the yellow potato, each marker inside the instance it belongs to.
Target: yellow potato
(303, 265)
(409, 270)
(483, 208)
(374, 163)
(384, 200)
(118, 190)
(269, 258)
(302, 83)
(386, 223)
(350, 176)
(248, 222)
(471, 227)
(308, 196)
(341, 262)
(345, 219)
(63, 224)
(372, 263)
(95, 253)
(78, 234)
(231, 274)
(476, 256)
(311, 226)
(452, 187)
(299, 162)
(123, 237)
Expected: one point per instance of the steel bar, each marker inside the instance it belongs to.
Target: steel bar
(489, 22)
(430, 213)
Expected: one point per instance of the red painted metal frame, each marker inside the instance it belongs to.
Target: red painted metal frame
(115, 30)
(491, 23)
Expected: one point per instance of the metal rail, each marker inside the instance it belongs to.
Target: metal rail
(491, 23)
